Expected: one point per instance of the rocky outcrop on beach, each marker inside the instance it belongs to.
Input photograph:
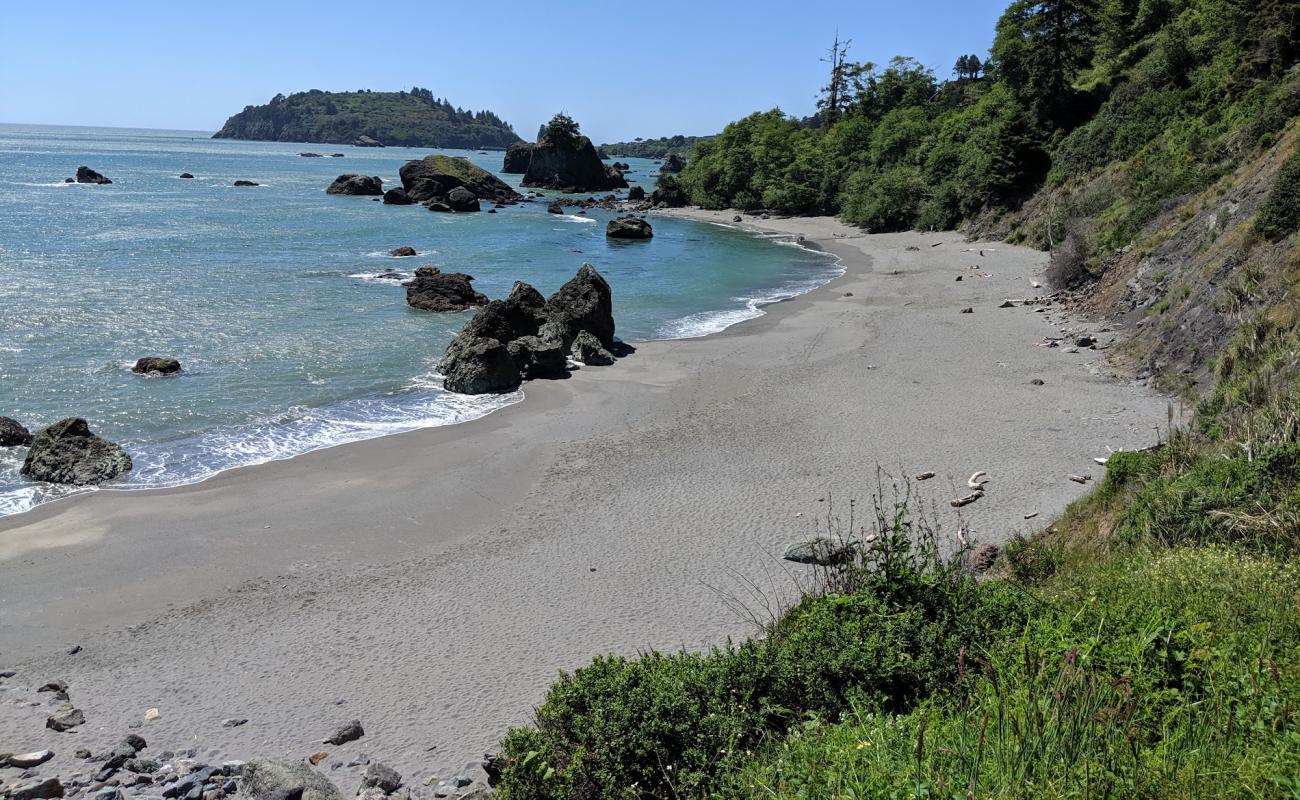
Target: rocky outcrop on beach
(434, 290)
(156, 365)
(518, 156)
(67, 452)
(88, 175)
(351, 184)
(433, 180)
(572, 166)
(524, 336)
(629, 227)
(366, 141)
(13, 433)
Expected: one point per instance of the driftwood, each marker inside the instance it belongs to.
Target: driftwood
(1080, 478)
(977, 480)
(968, 499)
(924, 476)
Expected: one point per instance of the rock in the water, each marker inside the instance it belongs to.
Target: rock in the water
(554, 207)
(160, 365)
(186, 175)
(247, 183)
(673, 164)
(348, 732)
(462, 199)
(584, 303)
(13, 434)
(88, 175)
(40, 790)
(381, 777)
(403, 252)
(588, 350)
(636, 193)
(479, 366)
(433, 178)
(366, 141)
(397, 197)
(311, 155)
(65, 720)
(67, 452)
(821, 551)
(572, 165)
(538, 358)
(628, 227)
(27, 760)
(436, 205)
(234, 722)
(518, 156)
(364, 185)
(264, 778)
(434, 290)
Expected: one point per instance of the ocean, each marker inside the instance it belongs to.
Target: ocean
(268, 294)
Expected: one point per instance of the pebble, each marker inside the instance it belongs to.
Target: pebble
(233, 722)
(65, 720)
(348, 732)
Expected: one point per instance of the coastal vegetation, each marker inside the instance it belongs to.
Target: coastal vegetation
(412, 118)
(1145, 644)
(654, 148)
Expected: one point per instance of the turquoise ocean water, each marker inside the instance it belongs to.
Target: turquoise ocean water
(267, 295)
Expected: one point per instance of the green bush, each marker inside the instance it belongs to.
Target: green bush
(1280, 214)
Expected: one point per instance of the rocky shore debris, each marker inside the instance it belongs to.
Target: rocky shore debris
(13, 433)
(358, 185)
(434, 290)
(88, 175)
(347, 732)
(156, 365)
(1080, 478)
(67, 452)
(25, 760)
(966, 500)
(629, 227)
(65, 719)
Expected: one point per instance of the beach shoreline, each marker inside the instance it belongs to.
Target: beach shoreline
(436, 580)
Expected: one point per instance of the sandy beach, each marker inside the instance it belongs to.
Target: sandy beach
(432, 584)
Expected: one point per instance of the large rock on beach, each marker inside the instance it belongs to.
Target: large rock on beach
(88, 175)
(538, 358)
(65, 719)
(434, 290)
(587, 350)
(13, 433)
(571, 166)
(39, 790)
(584, 303)
(67, 452)
(479, 366)
(262, 778)
(364, 185)
(518, 156)
(628, 227)
(156, 365)
(433, 178)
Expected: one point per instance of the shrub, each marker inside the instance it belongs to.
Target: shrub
(1280, 214)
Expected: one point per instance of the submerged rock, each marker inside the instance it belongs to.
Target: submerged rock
(67, 452)
(88, 175)
(555, 207)
(363, 185)
(628, 227)
(13, 433)
(434, 290)
(156, 365)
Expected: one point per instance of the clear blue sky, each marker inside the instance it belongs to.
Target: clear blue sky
(622, 69)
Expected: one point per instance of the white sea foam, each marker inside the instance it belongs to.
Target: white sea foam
(395, 279)
(575, 218)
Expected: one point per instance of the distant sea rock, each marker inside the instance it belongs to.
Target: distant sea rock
(185, 175)
(672, 164)
(364, 185)
(403, 252)
(518, 156)
(366, 141)
(636, 193)
(434, 290)
(433, 179)
(156, 365)
(88, 175)
(13, 433)
(572, 166)
(628, 227)
(67, 452)
(247, 183)
(311, 155)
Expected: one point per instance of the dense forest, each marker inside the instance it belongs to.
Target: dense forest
(409, 119)
(654, 148)
(1146, 643)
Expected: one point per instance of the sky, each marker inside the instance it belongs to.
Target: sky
(621, 69)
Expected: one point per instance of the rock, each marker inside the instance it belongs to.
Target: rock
(88, 175)
(186, 175)
(316, 758)
(1036, 382)
(462, 199)
(673, 164)
(588, 350)
(821, 551)
(968, 310)
(538, 358)
(628, 227)
(41, 790)
(13, 434)
(336, 155)
(1085, 341)
(479, 366)
(434, 290)
(233, 722)
(1007, 304)
(54, 686)
(366, 141)
(247, 183)
(636, 193)
(310, 155)
(403, 252)
(554, 207)
(27, 760)
(980, 560)
(736, 218)
(65, 720)
(583, 303)
(571, 166)
(134, 741)
(67, 452)
(434, 205)
(350, 184)
(69, 180)
(156, 365)
(262, 777)
(668, 193)
(397, 197)
(141, 766)
(381, 777)
(347, 732)
(518, 156)
(433, 178)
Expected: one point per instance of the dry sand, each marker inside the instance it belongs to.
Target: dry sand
(432, 584)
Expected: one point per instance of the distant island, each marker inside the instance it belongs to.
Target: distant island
(654, 148)
(403, 119)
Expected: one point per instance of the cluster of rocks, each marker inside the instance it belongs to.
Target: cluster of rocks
(359, 185)
(526, 336)
(87, 175)
(66, 452)
(446, 183)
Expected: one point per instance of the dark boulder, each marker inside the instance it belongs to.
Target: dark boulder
(159, 365)
(517, 157)
(366, 141)
(186, 175)
(434, 177)
(262, 777)
(336, 155)
(403, 252)
(435, 205)
(821, 552)
(397, 197)
(462, 199)
(672, 164)
(588, 350)
(88, 175)
(628, 227)
(538, 358)
(67, 452)
(13, 434)
(46, 789)
(311, 155)
(572, 166)
(69, 180)
(554, 207)
(434, 290)
(584, 303)
(381, 777)
(479, 366)
(636, 193)
(246, 183)
(364, 185)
